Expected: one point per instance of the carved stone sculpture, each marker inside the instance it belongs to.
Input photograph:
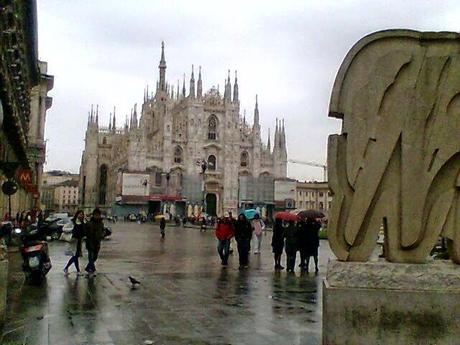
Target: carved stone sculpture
(396, 164)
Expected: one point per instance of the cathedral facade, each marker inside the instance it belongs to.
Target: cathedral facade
(182, 150)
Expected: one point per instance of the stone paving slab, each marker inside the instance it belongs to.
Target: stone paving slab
(186, 297)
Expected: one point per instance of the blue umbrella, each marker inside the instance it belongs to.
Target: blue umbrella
(250, 213)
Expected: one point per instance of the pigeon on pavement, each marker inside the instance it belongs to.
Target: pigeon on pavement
(134, 282)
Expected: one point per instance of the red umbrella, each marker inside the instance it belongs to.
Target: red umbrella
(287, 216)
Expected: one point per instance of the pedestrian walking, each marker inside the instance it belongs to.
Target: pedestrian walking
(203, 224)
(258, 227)
(78, 232)
(243, 235)
(278, 243)
(309, 243)
(163, 227)
(224, 232)
(291, 245)
(94, 234)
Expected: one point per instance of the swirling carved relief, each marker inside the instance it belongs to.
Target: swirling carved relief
(396, 163)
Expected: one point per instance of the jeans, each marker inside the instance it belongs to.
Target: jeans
(78, 252)
(258, 243)
(92, 257)
(223, 248)
(73, 260)
(244, 246)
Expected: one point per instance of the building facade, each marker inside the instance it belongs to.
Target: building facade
(66, 197)
(313, 195)
(185, 148)
(23, 102)
(284, 194)
(51, 181)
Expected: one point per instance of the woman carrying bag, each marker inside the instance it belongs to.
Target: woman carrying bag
(78, 233)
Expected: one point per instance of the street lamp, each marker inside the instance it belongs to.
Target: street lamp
(204, 166)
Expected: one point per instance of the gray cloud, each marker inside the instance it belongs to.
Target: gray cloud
(287, 52)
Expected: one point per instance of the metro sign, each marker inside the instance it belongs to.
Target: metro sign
(24, 176)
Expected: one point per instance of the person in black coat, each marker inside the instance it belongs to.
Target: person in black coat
(162, 227)
(243, 235)
(309, 243)
(94, 231)
(291, 244)
(278, 243)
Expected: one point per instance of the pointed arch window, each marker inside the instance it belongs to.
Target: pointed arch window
(212, 163)
(244, 159)
(103, 184)
(178, 155)
(212, 128)
(104, 141)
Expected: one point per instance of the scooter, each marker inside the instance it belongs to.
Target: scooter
(36, 262)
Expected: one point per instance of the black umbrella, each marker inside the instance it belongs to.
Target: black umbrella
(310, 214)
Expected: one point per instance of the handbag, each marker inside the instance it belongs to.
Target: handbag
(69, 248)
(67, 237)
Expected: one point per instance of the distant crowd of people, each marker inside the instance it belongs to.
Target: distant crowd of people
(288, 236)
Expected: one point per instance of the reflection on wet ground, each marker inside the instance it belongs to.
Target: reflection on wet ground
(185, 297)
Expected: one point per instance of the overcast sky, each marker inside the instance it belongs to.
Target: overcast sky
(288, 52)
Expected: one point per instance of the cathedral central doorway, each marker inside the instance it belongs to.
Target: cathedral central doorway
(154, 207)
(211, 204)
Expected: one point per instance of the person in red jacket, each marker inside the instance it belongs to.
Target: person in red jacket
(224, 232)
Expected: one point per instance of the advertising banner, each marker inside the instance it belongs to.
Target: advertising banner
(136, 184)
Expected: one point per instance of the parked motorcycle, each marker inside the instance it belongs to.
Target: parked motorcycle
(34, 250)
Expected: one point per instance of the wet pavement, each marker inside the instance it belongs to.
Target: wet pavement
(185, 296)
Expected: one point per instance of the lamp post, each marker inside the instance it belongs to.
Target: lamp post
(168, 176)
(204, 166)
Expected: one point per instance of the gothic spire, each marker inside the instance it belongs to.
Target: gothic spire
(228, 89)
(235, 89)
(199, 88)
(97, 114)
(177, 93)
(131, 120)
(162, 68)
(268, 141)
(135, 115)
(276, 138)
(256, 114)
(183, 87)
(192, 85)
(283, 137)
(110, 122)
(114, 126)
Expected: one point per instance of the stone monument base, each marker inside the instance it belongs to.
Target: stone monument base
(386, 303)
